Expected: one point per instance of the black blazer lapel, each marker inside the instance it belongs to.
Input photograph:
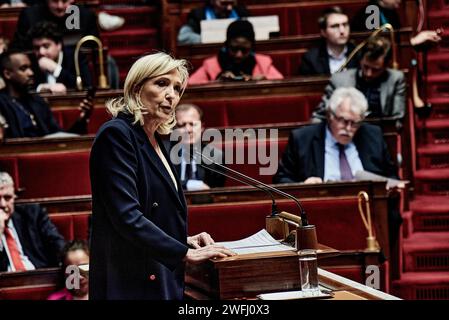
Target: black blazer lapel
(156, 162)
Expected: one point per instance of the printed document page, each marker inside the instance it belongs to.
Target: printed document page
(259, 242)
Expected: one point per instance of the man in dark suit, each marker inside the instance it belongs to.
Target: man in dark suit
(384, 88)
(55, 11)
(26, 114)
(55, 66)
(193, 176)
(29, 240)
(190, 33)
(335, 46)
(337, 149)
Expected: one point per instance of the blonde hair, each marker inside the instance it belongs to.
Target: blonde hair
(147, 67)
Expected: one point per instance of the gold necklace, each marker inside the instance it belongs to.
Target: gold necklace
(29, 114)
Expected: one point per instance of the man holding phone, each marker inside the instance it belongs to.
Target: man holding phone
(27, 114)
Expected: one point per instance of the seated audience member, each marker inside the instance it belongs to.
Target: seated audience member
(334, 48)
(3, 126)
(193, 176)
(28, 115)
(16, 3)
(75, 253)
(55, 11)
(4, 42)
(384, 88)
(29, 240)
(55, 70)
(336, 149)
(190, 33)
(388, 10)
(237, 59)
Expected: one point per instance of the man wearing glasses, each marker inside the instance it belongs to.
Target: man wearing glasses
(336, 149)
(28, 239)
(384, 88)
(335, 47)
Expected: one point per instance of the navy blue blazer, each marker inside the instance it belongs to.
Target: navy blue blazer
(139, 220)
(304, 155)
(41, 242)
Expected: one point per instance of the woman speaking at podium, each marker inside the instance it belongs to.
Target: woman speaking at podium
(139, 241)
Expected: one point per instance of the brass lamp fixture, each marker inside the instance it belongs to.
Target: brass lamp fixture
(371, 243)
(382, 28)
(102, 80)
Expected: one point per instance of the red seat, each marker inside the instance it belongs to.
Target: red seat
(54, 174)
(72, 225)
(267, 110)
(251, 154)
(32, 292)
(337, 221)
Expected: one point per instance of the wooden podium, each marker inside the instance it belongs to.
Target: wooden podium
(245, 276)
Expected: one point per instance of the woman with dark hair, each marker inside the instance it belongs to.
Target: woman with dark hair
(237, 59)
(75, 253)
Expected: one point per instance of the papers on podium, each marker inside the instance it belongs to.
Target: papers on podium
(259, 242)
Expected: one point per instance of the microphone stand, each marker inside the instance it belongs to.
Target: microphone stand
(255, 183)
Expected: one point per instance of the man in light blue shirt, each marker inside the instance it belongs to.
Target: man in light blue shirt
(338, 148)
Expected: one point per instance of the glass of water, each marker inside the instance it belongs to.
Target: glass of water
(308, 267)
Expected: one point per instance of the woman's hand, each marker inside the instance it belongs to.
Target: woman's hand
(200, 240)
(196, 256)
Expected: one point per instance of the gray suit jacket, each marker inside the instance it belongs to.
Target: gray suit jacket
(392, 92)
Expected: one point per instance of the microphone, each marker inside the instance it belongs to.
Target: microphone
(254, 183)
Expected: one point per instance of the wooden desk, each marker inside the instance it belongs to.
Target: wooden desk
(244, 277)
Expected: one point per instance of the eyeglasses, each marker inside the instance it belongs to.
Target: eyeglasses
(346, 122)
(235, 49)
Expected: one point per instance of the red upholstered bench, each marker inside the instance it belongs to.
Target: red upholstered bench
(268, 110)
(250, 166)
(67, 117)
(52, 174)
(72, 225)
(337, 220)
(32, 292)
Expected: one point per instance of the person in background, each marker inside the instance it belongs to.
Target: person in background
(75, 253)
(384, 88)
(190, 126)
(55, 66)
(334, 48)
(388, 10)
(29, 240)
(237, 60)
(56, 12)
(315, 153)
(17, 3)
(139, 242)
(3, 127)
(27, 114)
(4, 43)
(190, 33)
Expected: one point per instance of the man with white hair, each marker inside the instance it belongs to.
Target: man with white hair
(28, 239)
(336, 149)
